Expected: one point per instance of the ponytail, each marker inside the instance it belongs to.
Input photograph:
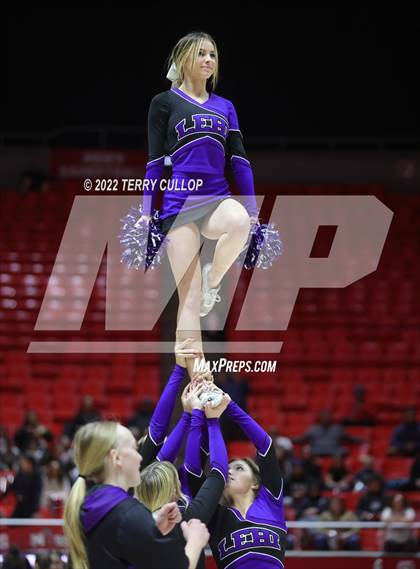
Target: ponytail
(73, 526)
(92, 444)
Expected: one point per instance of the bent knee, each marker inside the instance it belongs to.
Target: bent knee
(238, 219)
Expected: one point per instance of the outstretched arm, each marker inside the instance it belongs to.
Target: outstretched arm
(266, 456)
(192, 461)
(161, 417)
(173, 443)
(251, 428)
(196, 454)
(196, 450)
(206, 502)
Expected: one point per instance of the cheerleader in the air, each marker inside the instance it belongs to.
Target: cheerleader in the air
(200, 132)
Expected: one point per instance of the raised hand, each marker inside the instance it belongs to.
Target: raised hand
(194, 395)
(216, 412)
(195, 531)
(167, 518)
(184, 351)
(185, 398)
(202, 376)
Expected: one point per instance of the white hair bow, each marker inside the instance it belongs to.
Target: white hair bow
(172, 74)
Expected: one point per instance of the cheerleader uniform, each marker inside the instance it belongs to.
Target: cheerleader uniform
(258, 539)
(201, 139)
(120, 533)
(217, 455)
(155, 447)
(203, 500)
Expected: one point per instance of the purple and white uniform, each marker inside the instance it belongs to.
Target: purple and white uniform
(256, 541)
(201, 140)
(203, 503)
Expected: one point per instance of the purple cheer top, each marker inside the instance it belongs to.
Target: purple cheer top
(201, 140)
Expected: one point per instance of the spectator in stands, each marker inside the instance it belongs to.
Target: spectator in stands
(27, 431)
(27, 487)
(361, 412)
(55, 488)
(285, 460)
(309, 509)
(373, 501)
(299, 483)
(338, 478)
(366, 473)
(399, 539)
(141, 419)
(30, 432)
(15, 559)
(87, 414)
(313, 504)
(325, 437)
(64, 453)
(40, 445)
(405, 439)
(49, 560)
(8, 454)
(313, 470)
(333, 539)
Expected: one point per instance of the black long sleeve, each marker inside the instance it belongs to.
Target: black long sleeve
(206, 502)
(156, 136)
(270, 471)
(147, 547)
(266, 456)
(149, 452)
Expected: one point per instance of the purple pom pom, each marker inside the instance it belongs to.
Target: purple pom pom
(143, 242)
(263, 247)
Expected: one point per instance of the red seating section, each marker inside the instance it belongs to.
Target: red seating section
(366, 333)
(31, 229)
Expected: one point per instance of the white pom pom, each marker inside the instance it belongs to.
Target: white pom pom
(213, 396)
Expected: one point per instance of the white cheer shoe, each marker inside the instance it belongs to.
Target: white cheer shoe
(209, 296)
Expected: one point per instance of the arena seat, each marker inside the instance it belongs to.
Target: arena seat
(337, 338)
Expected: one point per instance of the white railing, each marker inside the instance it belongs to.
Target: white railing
(291, 525)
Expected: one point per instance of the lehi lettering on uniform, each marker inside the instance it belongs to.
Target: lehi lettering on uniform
(244, 539)
(201, 123)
